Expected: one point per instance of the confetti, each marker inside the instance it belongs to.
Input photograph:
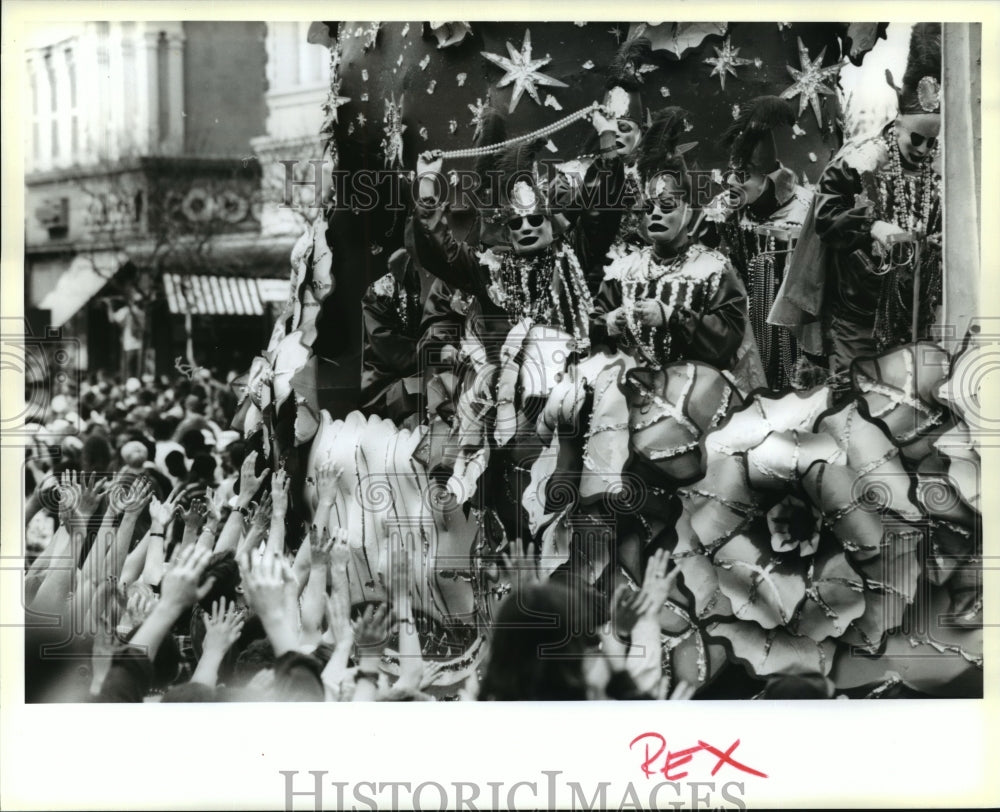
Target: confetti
(425, 62)
(431, 86)
(376, 249)
(364, 74)
(588, 65)
(423, 133)
(797, 130)
(688, 126)
(716, 176)
(812, 157)
(736, 111)
(550, 146)
(461, 78)
(364, 97)
(399, 61)
(553, 102)
(758, 62)
(350, 128)
(453, 178)
(452, 126)
(665, 91)
(406, 29)
(358, 31)
(362, 120)
(647, 68)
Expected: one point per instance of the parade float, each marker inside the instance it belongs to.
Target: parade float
(811, 532)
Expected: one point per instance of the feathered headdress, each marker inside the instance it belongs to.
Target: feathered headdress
(523, 189)
(623, 99)
(660, 145)
(750, 138)
(921, 91)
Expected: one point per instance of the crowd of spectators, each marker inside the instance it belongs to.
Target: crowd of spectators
(163, 570)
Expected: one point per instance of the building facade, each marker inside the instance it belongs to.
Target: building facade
(143, 197)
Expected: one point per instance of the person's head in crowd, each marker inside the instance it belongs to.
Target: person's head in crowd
(223, 568)
(162, 427)
(255, 657)
(96, 455)
(134, 455)
(194, 443)
(59, 405)
(147, 397)
(535, 653)
(193, 405)
(176, 465)
(234, 451)
(202, 469)
(70, 454)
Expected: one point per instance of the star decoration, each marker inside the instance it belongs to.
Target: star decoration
(726, 60)
(809, 81)
(335, 101)
(478, 110)
(392, 143)
(522, 70)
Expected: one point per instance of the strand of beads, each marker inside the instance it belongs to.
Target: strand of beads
(543, 132)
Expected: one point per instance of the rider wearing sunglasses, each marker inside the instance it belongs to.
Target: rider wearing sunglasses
(762, 197)
(876, 191)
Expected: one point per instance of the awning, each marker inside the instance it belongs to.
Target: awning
(80, 282)
(205, 295)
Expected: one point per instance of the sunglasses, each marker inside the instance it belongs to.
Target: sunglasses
(918, 140)
(533, 220)
(664, 204)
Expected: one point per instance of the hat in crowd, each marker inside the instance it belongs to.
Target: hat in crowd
(133, 385)
(134, 454)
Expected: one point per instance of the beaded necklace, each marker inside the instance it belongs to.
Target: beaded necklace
(648, 282)
(548, 288)
(910, 200)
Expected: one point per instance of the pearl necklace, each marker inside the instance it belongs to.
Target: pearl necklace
(543, 132)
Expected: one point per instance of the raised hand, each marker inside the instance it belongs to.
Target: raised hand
(181, 584)
(195, 516)
(326, 483)
(92, 488)
(161, 513)
(222, 627)
(261, 517)
(214, 502)
(431, 672)
(266, 584)
(249, 482)
(626, 609)
(320, 548)
(137, 497)
(430, 162)
(279, 493)
(656, 584)
(371, 631)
